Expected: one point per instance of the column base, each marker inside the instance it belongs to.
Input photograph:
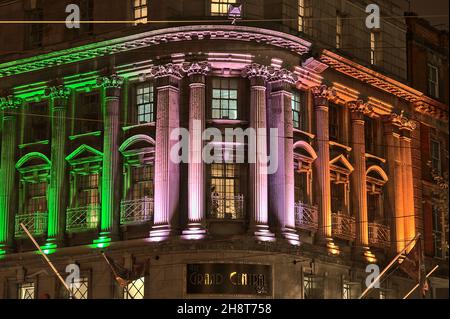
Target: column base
(160, 233)
(364, 254)
(262, 233)
(329, 244)
(194, 231)
(290, 235)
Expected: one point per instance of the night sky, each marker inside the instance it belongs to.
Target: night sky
(430, 8)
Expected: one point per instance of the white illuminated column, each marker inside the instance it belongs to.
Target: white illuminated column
(196, 170)
(167, 172)
(258, 75)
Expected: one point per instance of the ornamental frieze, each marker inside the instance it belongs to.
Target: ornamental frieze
(10, 102)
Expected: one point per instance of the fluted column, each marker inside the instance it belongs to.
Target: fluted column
(281, 183)
(196, 170)
(110, 167)
(58, 106)
(258, 75)
(321, 95)
(358, 178)
(9, 106)
(166, 171)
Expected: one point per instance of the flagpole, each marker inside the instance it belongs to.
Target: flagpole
(388, 266)
(46, 258)
(415, 287)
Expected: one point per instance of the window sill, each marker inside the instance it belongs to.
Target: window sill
(310, 135)
(74, 137)
(347, 148)
(130, 127)
(44, 142)
(382, 160)
(226, 122)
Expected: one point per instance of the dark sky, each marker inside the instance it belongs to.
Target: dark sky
(430, 8)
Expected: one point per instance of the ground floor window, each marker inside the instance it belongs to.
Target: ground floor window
(26, 290)
(135, 289)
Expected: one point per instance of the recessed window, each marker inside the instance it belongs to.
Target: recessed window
(26, 291)
(339, 30)
(370, 135)
(224, 99)
(433, 81)
(220, 7)
(374, 48)
(298, 111)
(301, 15)
(88, 193)
(35, 32)
(141, 182)
(346, 291)
(145, 103)
(439, 242)
(312, 287)
(79, 288)
(140, 11)
(36, 197)
(135, 289)
(87, 14)
(37, 123)
(88, 113)
(436, 156)
(333, 123)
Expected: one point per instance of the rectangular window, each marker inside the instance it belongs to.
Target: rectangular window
(338, 200)
(436, 156)
(298, 111)
(135, 289)
(26, 291)
(433, 81)
(301, 187)
(141, 182)
(88, 193)
(88, 118)
(87, 14)
(346, 291)
(79, 288)
(36, 198)
(438, 233)
(37, 122)
(224, 99)
(374, 47)
(301, 15)
(312, 287)
(220, 7)
(140, 11)
(339, 30)
(35, 31)
(333, 123)
(145, 103)
(370, 135)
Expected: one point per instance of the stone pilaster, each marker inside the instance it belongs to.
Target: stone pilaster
(110, 167)
(281, 183)
(8, 106)
(321, 96)
(196, 170)
(167, 172)
(258, 75)
(59, 96)
(358, 177)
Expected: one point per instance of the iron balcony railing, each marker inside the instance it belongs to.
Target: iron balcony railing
(36, 223)
(83, 218)
(306, 216)
(379, 235)
(344, 226)
(227, 207)
(136, 211)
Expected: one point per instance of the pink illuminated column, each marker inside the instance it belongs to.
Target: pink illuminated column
(166, 171)
(321, 95)
(281, 183)
(408, 199)
(258, 74)
(196, 174)
(358, 178)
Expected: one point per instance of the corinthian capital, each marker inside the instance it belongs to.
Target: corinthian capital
(112, 81)
(58, 92)
(283, 75)
(255, 70)
(196, 68)
(159, 71)
(323, 91)
(10, 102)
(361, 107)
(401, 121)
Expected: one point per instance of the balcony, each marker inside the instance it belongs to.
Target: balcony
(82, 218)
(379, 235)
(306, 216)
(343, 226)
(136, 211)
(36, 223)
(227, 207)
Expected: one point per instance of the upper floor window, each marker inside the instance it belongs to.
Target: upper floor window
(333, 122)
(339, 31)
(436, 156)
(370, 135)
(26, 291)
(35, 32)
(225, 98)
(36, 194)
(439, 240)
(88, 114)
(141, 182)
(135, 289)
(140, 11)
(299, 115)
(145, 103)
(374, 47)
(301, 15)
(37, 123)
(433, 81)
(220, 7)
(88, 193)
(87, 14)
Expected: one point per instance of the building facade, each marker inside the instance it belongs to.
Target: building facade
(87, 139)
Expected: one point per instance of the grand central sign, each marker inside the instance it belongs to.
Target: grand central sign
(234, 279)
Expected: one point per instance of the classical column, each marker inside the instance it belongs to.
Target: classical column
(167, 172)
(281, 183)
(322, 164)
(196, 170)
(110, 167)
(358, 178)
(59, 96)
(395, 186)
(408, 183)
(9, 106)
(258, 74)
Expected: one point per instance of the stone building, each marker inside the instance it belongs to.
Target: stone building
(88, 116)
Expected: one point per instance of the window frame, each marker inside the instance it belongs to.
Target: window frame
(150, 104)
(22, 285)
(221, 4)
(222, 91)
(125, 292)
(433, 86)
(142, 19)
(435, 142)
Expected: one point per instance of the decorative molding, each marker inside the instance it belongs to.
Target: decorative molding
(113, 81)
(256, 70)
(10, 102)
(401, 121)
(169, 69)
(283, 75)
(58, 92)
(359, 106)
(196, 68)
(323, 91)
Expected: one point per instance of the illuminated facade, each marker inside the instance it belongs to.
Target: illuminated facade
(86, 154)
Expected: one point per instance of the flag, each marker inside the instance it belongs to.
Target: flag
(414, 266)
(122, 275)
